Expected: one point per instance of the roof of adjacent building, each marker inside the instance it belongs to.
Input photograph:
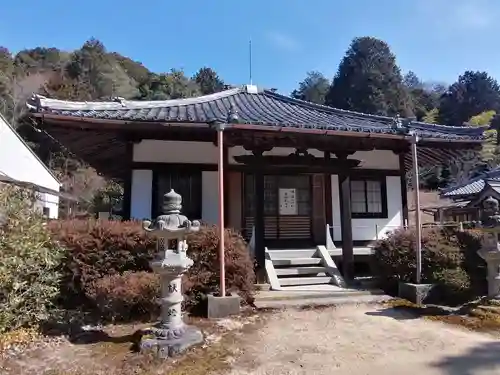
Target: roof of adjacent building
(251, 106)
(490, 179)
(7, 160)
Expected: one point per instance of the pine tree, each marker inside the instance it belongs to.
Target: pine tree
(473, 93)
(368, 80)
(313, 88)
(208, 81)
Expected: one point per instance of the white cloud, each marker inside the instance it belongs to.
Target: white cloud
(283, 41)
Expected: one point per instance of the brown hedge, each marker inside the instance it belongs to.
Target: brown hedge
(99, 250)
(125, 297)
(203, 276)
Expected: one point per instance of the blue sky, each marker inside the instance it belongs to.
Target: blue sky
(438, 39)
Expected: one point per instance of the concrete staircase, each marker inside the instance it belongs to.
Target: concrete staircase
(301, 267)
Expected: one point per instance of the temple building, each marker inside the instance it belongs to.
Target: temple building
(467, 198)
(296, 174)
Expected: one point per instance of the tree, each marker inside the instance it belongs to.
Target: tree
(431, 117)
(482, 119)
(208, 81)
(423, 96)
(7, 74)
(98, 74)
(490, 151)
(15, 87)
(473, 93)
(411, 81)
(41, 58)
(172, 85)
(368, 80)
(313, 88)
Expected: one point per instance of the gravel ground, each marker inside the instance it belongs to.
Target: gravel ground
(364, 339)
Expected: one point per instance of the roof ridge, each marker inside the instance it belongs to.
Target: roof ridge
(455, 127)
(39, 101)
(483, 176)
(324, 107)
(361, 114)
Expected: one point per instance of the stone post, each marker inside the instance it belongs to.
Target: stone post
(171, 335)
(490, 245)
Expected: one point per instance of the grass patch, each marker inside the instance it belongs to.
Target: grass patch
(482, 315)
(18, 338)
(109, 351)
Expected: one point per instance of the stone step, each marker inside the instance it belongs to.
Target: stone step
(367, 282)
(295, 261)
(335, 300)
(301, 271)
(315, 292)
(359, 251)
(291, 253)
(305, 280)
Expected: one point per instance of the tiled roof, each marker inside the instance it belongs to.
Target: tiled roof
(474, 186)
(252, 106)
(455, 204)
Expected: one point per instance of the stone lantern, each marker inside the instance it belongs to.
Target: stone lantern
(490, 244)
(171, 335)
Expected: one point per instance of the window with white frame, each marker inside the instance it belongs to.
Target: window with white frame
(368, 198)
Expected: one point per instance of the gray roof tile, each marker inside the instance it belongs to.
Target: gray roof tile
(475, 185)
(261, 107)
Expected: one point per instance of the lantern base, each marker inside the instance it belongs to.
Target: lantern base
(416, 293)
(222, 307)
(165, 348)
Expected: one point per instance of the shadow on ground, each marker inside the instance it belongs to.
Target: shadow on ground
(98, 336)
(393, 313)
(407, 312)
(482, 358)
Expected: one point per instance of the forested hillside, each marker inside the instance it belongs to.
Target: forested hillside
(368, 80)
(89, 73)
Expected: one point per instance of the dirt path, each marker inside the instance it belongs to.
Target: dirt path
(359, 340)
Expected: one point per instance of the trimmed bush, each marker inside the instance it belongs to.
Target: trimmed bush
(99, 248)
(449, 259)
(29, 262)
(126, 297)
(203, 277)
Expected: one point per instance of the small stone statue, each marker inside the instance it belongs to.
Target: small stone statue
(490, 215)
(171, 335)
(401, 126)
(490, 245)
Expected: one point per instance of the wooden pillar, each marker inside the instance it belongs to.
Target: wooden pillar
(328, 194)
(318, 209)
(221, 213)
(346, 226)
(127, 183)
(404, 188)
(259, 225)
(418, 242)
(226, 186)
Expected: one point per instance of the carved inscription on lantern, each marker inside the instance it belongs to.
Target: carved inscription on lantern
(172, 288)
(288, 202)
(171, 312)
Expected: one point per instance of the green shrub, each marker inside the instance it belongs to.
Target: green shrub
(449, 259)
(30, 259)
(98, 248)
(125, 297)
(473, 264)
